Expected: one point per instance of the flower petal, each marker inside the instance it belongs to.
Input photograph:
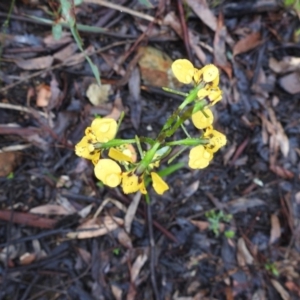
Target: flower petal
(109, 172)
(203, 119)
(183, 70)
(159, 185)
(199, 157)
(118, 155)
(104, 129)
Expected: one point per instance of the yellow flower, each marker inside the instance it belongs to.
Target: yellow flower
(203, 119)
(203, 93)
(210, 73)
(109, 172)
(215, 95)
(183, 70)
(104, 129)
(199, 157)
(86, 150)
(159, 185)
(131, 183)
(216, 140)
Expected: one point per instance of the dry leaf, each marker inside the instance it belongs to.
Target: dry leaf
(281, 172)
(172, 21)
(38, 63)
(280, 289)
(287, 64)
(27, 258)
(43, 95)
(290, 83)
(137, 266)
(94, 227)
(98, 94)
(66, 52)
(155, 67)
(8, 162)
(275, 229)
(130, 214)
(247, 43)
(202, 10)
(49, 209)
(243, 254)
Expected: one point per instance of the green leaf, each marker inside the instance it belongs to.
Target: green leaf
(10, 175)
(77, 2)
(146, 3)
(289, 2)
(57, 31)
(95, 70)
(66, 8)
(229, 234)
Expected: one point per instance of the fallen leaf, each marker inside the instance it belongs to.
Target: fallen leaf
(247, 43)
(281, 172)
(27, 258)
(98, 94)
(290, 83)
(38, 63)
(65, 52)
(8, 162)
(130, 214)
(287, 64)
(49, 209)
(280, 289)
(243, 254)
(43, 95)
(94, 227)
(137, 266)
(155, 67)
(275, 229)
(202, 10)
(172, 21)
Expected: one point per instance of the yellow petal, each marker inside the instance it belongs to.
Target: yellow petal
(215, 95)
(159, 185)
(86, 150)
(216, 140)
(131, 183)
(200, 120)
(203, 93)
(118, 155)
(104, 129)
(210, 73)
(183, 70)
(199, 157)
(109, 172)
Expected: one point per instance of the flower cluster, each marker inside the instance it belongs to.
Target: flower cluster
(108, 169)
(208, 76)
(115, 160)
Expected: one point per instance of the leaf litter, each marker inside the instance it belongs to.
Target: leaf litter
(100, 239)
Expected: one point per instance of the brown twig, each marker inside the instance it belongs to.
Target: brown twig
(185, 33)
(152, 252)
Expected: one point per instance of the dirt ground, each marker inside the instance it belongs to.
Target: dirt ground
(229, 231)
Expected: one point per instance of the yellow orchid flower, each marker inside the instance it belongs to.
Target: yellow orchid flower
(159, 185)
(203, 119)
(132, 183)
(215, 95)
(86, 150)
(104, 129)
(216, 139)
(183, 70)
(199, 157)
(109, 172)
